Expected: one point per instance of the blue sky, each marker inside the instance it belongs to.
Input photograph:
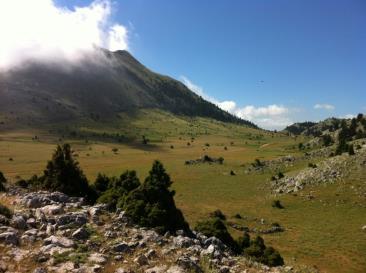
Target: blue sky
(271, 61)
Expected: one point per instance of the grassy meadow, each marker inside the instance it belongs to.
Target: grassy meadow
(323, 231)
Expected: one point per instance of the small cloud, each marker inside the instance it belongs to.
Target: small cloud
(324, 106)
(348, 116)
(269, 117)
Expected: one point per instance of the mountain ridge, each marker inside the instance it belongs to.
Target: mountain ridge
(98, 87)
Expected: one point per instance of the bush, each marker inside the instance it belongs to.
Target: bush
(216, 227)
(244, 241)
(263, 254)
(327, 140)
(22, 183)
(152, 204)
(101, 183)
(272, 257)
(351, 151)
(5, 211)
(257, 163)
(116, 190)
(2, 181)
(218, 213)
(341, 147)
(277, 204)
(280, 175)
(312, 165)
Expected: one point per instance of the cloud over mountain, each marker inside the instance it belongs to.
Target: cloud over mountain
(40, 29)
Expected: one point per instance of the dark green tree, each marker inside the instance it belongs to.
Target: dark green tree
(152, 203)
(64, 174)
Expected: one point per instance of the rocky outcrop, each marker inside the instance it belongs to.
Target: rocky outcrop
(60, 234)
(329, 170)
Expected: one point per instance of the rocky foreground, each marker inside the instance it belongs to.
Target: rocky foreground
(51, 232)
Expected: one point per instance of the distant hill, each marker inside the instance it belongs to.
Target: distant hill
(97, 88)
(328, 126)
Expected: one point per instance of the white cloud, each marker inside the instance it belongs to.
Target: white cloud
(40, 29)
(324, 106)
(348, 116)
(269, 117)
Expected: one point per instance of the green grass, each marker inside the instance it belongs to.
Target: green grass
(321, 231)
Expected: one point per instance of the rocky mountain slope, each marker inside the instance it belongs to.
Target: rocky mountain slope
(51, 232)
(96, 88)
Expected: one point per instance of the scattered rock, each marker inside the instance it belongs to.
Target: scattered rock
(9, 238)
(80, 234)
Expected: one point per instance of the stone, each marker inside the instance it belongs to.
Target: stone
(181, 241)
(52, 209)
(40, 270)
(364, 228)
(121, 270)
(31, 222)
(59, 241)
(9, 238)
(156, 269)
(141, 260)
(175, 269)
(188, 264)
(151, 254)
(121, 247)
(97, 258)
(18, 222)
(77, 219)
(224, 269)
(4, 220)
(80, 234)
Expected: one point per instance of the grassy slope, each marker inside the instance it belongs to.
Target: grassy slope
(321, 231)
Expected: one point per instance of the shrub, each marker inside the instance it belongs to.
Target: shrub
(152, 203)
(5, 211)
(237, 216)
(244, 241)
(277, 204)
(257, 163)
(301, 146)
(312, 165)
(341, 147)
(272, 257)
(22, 183)
(218, 213)
(2, 181)
(117, 189)
(101, 184)
(351, 151)
(216, 227)
(280, 175)
(263, 254)
(327, 140)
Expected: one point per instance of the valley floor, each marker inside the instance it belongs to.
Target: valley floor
(322, 224)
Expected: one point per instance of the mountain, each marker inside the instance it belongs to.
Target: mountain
(98, 87)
